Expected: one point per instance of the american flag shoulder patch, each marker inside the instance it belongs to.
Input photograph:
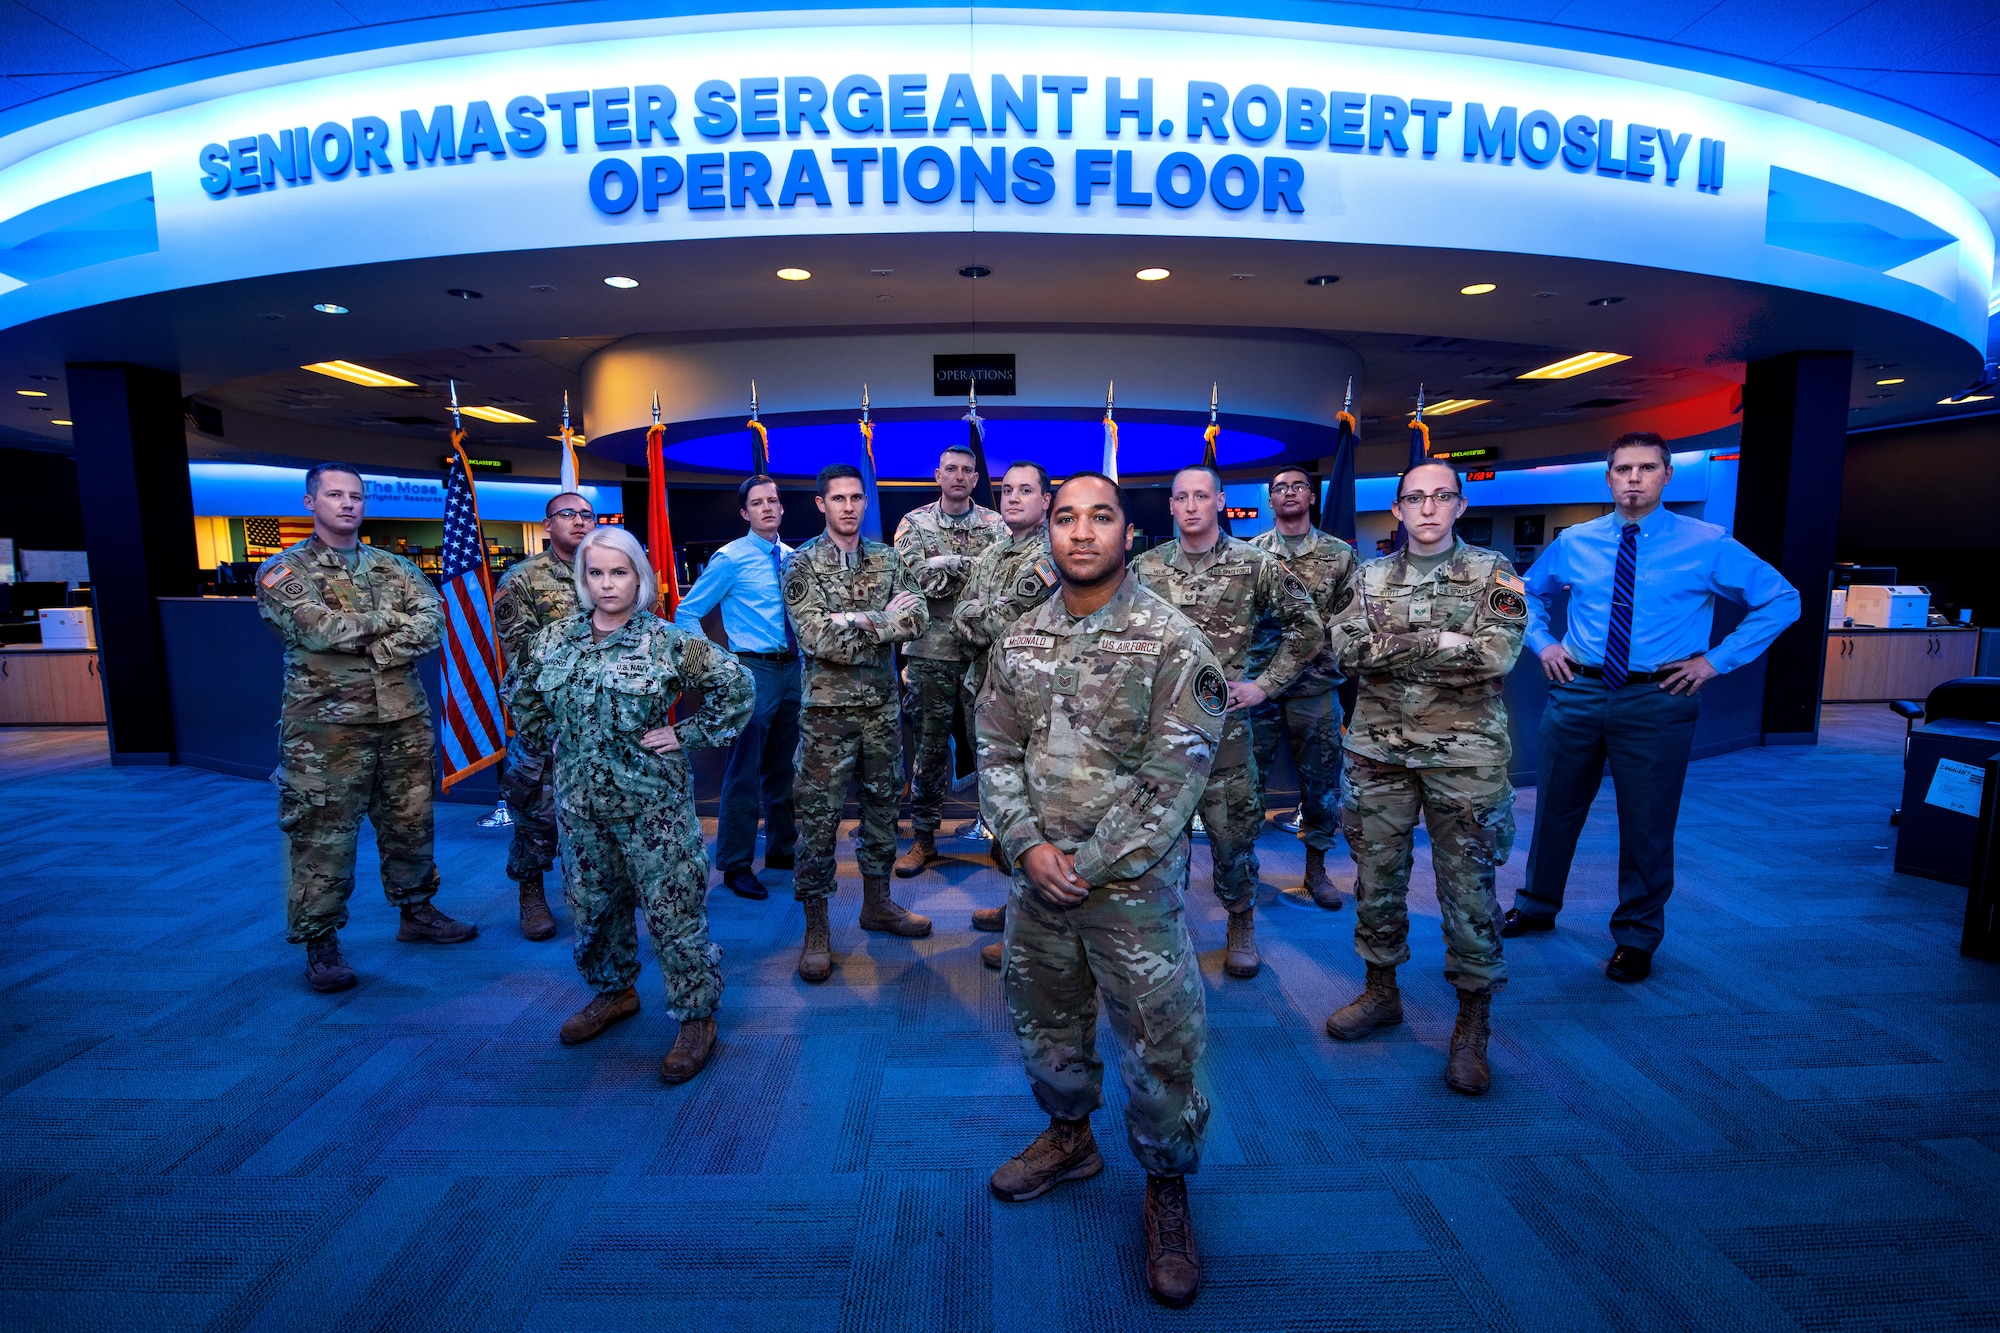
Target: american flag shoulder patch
(1030, 641)
(1509, 581)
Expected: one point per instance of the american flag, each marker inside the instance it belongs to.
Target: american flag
(268, 536)
(475, 727)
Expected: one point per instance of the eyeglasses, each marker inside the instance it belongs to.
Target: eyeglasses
(1292, 488)
(583, 514)
(1415, 499)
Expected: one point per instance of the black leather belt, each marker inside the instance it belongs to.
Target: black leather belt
(768, 657)
(1631, 677)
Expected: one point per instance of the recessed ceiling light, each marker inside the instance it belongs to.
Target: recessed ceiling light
(1543, 296)
(465, 293)
(881, 272)
(1323, 280)
(329, 308)
(621, 282)
(1451, 405)
(1153, 274)
(541, 287)
(1571, 367)
(1241, 277)
(1969, 398)
(794, 274)
(31, 393)
(975, 271)
(1607, 300)
(61, 421)
(495, 414)
(362, 375)
(1897, 380)
(1883, 365)
(43, 379)
(885, 297)
(1478, 289)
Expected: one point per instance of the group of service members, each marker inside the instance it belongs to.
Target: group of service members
(1114, 703)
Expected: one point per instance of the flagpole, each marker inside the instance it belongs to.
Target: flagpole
(1110, 467)
(760, 439)
(871, 521)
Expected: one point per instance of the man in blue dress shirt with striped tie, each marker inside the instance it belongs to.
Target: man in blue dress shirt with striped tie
(1624, 686)
(743, 579)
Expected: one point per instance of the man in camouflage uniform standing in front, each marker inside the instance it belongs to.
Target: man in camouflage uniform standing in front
(1097, 727)
(938, 543)
(1226, 586)
(851, 601)
(355, 731)
(1007, 581)
(1309, 711)
(1432, 630)
(536, 592)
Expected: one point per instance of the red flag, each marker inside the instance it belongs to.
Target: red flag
(660, 546)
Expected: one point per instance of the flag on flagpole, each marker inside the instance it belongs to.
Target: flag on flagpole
(1208, 450)
(1110, 467)
(1337, 509)
(569, 475)
(871, 522)
(659, 532)
(475, 726)
(1420, 449)
(982, 491)
(760, 439)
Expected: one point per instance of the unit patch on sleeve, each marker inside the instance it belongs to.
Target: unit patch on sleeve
(1295, 588)
(1506, 603)
(1211, 691)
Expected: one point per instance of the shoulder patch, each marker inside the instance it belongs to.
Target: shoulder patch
(505, 609)
(1025, 640)
(1295, 588)
(1028, 586)
(1045, 570)
(1506, 603)
(277, 573)
(1143, 647)
(1211, 691)
(1509, 581)
(798, 585)
(286, 584)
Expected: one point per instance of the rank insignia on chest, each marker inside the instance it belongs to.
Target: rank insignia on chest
(1420, 608)
(1067, 678)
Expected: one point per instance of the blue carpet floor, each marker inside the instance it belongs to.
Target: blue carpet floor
(1795, 1124)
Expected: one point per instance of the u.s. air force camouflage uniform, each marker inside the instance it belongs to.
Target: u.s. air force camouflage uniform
(1309, 709)
(1429, 739)
(936, 658)
(355, 735)
(1096, 736)
(1008, 580)
(1226, 590)
(850, 726)
(630, 837)
(538, 591)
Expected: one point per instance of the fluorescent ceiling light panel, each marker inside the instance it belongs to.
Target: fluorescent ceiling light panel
(499, 415)
(1580, 364)
(362, 375)
(1451, 405)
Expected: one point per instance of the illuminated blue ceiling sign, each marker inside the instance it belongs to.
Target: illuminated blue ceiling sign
(623, 119)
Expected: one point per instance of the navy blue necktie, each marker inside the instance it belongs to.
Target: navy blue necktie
(1618, 639)
(778, 577)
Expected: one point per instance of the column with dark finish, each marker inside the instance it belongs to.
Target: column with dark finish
(1788, 512)
(138, 528)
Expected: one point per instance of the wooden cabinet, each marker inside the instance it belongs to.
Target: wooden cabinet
(43, 688)
(1875, 665)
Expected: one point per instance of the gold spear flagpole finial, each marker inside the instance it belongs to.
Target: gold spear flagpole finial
(565, 409)
(1110, 388)
(864, 400)
(1348, 406)
(656, 407)
(972, 397)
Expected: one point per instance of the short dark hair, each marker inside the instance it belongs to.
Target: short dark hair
(751, 483)
(833, 471)
(1112, 482)
(1289, 467)
(1210, 469)
(318, 470)
(1040, 471)
(965, 449)
(1639, 439)
(549, 509)
(1430, 462)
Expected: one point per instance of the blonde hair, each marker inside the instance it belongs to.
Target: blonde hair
(623, 542)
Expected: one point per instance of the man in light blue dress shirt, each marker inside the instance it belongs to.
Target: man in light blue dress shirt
(1624, 686)
(742, 579)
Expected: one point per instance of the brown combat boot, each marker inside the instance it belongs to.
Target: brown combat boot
(326, 970)
(691, 1051)
(1241, 959)
(1173, 1265)
(1380, 1005)
(994, 955)
(990, 918)
(425, 922)
(816, 954)
(602, 1011)
(1466, 1070)
(1324, 891)
(923, 851)
(1066, 1150)
(880, 913)
(537, 922)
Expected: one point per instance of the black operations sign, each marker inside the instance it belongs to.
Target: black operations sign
(992, 373)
